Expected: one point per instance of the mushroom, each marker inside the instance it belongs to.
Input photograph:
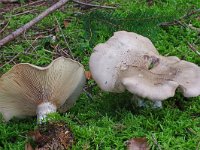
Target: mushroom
(130, 61)
(29, 90)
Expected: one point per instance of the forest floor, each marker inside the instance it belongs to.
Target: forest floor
(104, 121)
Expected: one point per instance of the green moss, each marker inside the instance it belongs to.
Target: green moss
(108, 120)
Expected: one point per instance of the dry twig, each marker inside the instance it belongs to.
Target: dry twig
(198, 145)
(32, 3)
(22, 13)
(93, 5)
(192, 47)
(22, 29)
(194, 28)
(178, 21)
(156, 142)
(28, 25)
(8, 1)
(70, 52)
(12, 59)
(4, 27)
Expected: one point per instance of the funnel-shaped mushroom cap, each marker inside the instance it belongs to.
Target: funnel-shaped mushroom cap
(130, 61)
(26, 86)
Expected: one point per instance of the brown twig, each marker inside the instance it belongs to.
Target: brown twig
(178, 21)
(45, 31)
(191, 13)
(156, 142)
(198, 145)
(194, 28)
(150, 2)
(4, 27)
(22, 13)
(191, 46)
(32, 3)
(25, 52)
(28, 41)
(28, 25)
(165, 24)
(88, 94)
(12, 59)
(22, 29)
(70, 52)
(8, 1)
(62, 50)
(93, 5)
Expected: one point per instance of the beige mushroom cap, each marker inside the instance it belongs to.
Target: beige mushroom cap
(130, 61)
(26, 86)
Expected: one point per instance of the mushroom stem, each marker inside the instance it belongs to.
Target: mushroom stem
(157, 104)
(140, 102)
(43, 109)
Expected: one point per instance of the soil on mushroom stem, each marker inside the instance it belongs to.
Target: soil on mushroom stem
(52, 135)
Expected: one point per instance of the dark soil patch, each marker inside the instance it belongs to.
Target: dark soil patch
(52, 136)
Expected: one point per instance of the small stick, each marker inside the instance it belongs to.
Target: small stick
(8, 1)
(12, 59)
(4, 27)
(194, 28)
(70, 52)
(88, 94)
(178, 21)
(28, 41)
(156, 142)
(28, 25)
(191, 13)
(93, 5)
(198, 145)
(193, 49)
(31, 3)
(22, 13)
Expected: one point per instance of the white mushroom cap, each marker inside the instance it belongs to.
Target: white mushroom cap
(188, 78)
(116, 54)
(26, 86)
(130, 61)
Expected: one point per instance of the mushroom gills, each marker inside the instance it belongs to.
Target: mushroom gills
(29, 90)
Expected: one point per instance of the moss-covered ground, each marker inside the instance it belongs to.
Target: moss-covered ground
(104, 121)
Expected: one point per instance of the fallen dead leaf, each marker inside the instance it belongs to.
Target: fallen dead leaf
(137, 144)
(35, 135)
(66, 23)
(88, 75)
(57, 29)
(52, 136)
(28, 146)
(150, 2)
